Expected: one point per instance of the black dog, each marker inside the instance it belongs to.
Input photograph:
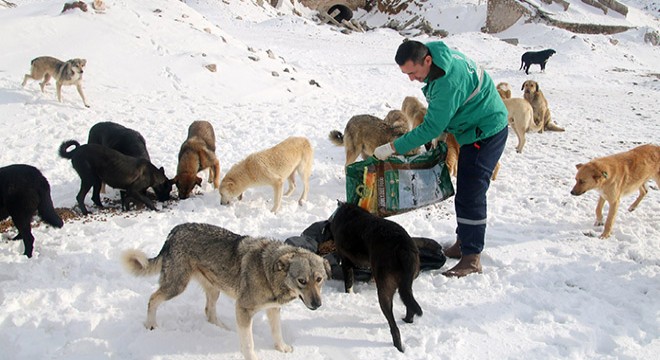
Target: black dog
(364, 240)
(535, 57)
(23, 192)
(96, 164)
(117, 137)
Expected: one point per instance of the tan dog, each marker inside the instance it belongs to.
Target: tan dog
(197, 153)
(521, 114)
(416, 111)
(504, 89)
(364, 133)
(615, 176)
(534, 95)
(64, 73)
(521, 119)
(271, 167)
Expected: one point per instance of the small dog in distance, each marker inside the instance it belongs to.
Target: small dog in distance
(64, 72)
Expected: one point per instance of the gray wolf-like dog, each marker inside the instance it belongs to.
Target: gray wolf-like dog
(535, 57)
(615, 176)
(64, 72)
(367, 241)
(364, 133)
(197, 153)
(260, 274)
(271, 167)
(23, 192)
(97, 164)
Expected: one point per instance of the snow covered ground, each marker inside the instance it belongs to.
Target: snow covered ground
(550, 287)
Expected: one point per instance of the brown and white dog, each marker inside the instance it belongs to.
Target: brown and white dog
(534, 95)
(64, 72)
(197, 153)
(615, 176)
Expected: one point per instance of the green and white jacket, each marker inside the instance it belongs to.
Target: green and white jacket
(463, 102)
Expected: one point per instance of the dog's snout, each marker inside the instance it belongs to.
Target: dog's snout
(313, 304)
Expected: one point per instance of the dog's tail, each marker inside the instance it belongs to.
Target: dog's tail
(46, 209)
(137, 263)
(336, 137)
(553, 127)
(65, 145)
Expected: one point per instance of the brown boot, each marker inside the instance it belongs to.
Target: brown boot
(454, 251)
(468, 264)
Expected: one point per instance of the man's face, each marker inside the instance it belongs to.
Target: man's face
(415, 71)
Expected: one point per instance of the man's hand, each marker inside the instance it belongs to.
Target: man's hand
(384, 151)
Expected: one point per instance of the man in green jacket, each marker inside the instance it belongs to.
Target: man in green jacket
(463, 101)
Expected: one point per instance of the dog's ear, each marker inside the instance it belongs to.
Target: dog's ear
(198, 181)
(538, 88)
(578, 166)
(523, 86)
(282, 264)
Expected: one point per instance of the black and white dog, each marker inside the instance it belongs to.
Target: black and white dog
(535, 57)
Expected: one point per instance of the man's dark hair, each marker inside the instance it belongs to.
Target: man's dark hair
(411, 50)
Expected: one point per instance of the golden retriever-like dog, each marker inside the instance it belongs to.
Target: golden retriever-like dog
(197, 153)
(615, 176)
(504, 89)
(271, 167)
(364, 133)
(534, 95)
(521, 114)
(416, 111)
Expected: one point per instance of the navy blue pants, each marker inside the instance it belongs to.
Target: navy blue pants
(475, 168)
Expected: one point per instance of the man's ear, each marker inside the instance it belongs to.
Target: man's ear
(428, 60)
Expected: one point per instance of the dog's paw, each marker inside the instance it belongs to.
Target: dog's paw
(150, 325)
(590, 234)
(632, 208)
(219, 323)
(599, 223)
(284, 347)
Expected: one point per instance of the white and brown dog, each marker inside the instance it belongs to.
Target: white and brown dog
(64, 72)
